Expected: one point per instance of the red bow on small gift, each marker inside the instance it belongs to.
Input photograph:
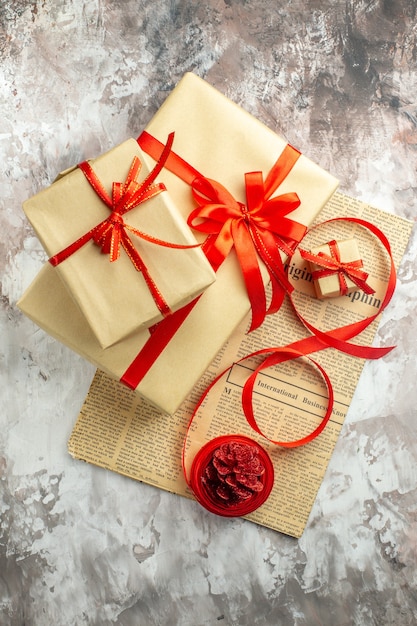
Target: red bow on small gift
(111, 233)
(331, 264)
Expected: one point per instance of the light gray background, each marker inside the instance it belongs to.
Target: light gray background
(80, 545)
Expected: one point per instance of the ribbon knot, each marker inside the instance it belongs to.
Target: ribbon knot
(245, 212)
(331, 264)
(108, 235)
(116, 218)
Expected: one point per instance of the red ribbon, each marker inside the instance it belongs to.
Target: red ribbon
(222, 237)
(111, 233)
(259, 229)
(332, 264)
(163, 332)
(275, 356)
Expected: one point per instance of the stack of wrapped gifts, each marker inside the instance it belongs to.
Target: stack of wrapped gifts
(131, 284)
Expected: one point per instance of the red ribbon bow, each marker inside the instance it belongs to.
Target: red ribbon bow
(111, 233)
(259, 229)
(216, 247)
(331, 265)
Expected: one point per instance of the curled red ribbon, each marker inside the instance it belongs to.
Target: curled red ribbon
(198, 479)
(332, 264)
(163, 332)
(217, 245)
(111, 233)
(338, 338)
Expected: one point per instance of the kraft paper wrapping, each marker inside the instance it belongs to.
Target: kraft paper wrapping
(222, 141)
(114, 297)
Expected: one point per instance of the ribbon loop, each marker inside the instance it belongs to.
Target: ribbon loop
(337, 338)
(255, 193)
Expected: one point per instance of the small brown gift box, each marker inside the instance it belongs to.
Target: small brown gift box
(329, 282)
(114, 296)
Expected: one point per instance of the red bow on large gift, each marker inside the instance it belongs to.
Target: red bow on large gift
(258, 229)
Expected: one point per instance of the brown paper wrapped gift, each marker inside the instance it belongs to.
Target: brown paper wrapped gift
(223, 142)
(329, 283)
(113, 296)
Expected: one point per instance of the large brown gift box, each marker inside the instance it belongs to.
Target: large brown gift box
(113, 296)
(223, 142)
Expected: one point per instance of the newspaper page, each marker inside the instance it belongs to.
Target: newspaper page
(118, 430)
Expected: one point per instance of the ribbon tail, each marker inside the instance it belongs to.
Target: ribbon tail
(174, 163)
(56, 259)
(115, 241)
(277, 298)
(90, 175)
(141, 267)
(362, 284)
(161, 242)
(268, 249)
(332, 339)
(252, 275)
(160, 162)
(281, 169)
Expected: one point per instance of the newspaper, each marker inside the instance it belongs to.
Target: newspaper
(118, 430)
